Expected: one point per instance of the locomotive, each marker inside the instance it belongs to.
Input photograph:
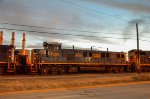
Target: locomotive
(144, 60)
(53, 59)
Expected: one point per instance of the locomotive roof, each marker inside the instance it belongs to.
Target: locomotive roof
(6, 46)
(93, 50)
(133, 50)
(55, 43)
(85, 50)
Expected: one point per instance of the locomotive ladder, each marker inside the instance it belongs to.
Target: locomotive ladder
(11, 67)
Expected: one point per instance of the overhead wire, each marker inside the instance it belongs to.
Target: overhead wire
(100, 12)
(97, 11)
(71, 29)
(55, 33)
(64, 30)
(32, 26)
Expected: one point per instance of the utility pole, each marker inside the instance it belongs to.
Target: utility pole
(92, 47)
(73, 47)
(138, 51)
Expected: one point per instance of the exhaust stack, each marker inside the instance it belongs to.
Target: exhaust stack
(23, 44)
(13, 39)
(1, 37)
(12, 43)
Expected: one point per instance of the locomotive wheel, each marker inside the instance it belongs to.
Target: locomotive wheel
(78, 69)
(138, 71)
(121, 70)
(110, 69)
(44, 71)
(60, 70)
(148, 69)
(1, 71)
(66, 69)
(107, 69)
(117, 69)
(54, 70)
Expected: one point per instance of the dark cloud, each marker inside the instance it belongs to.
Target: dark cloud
(58, 14)
(135, 5)
(139, 21)
(1, 1)
(143, 25)
(130, 29)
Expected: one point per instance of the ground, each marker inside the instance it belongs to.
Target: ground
(136, 90)
(35, 82)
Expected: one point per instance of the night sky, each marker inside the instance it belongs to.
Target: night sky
(84, 23)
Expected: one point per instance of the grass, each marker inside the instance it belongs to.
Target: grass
(41, 83)
(141, 77)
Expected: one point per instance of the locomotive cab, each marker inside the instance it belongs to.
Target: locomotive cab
(53, 46)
